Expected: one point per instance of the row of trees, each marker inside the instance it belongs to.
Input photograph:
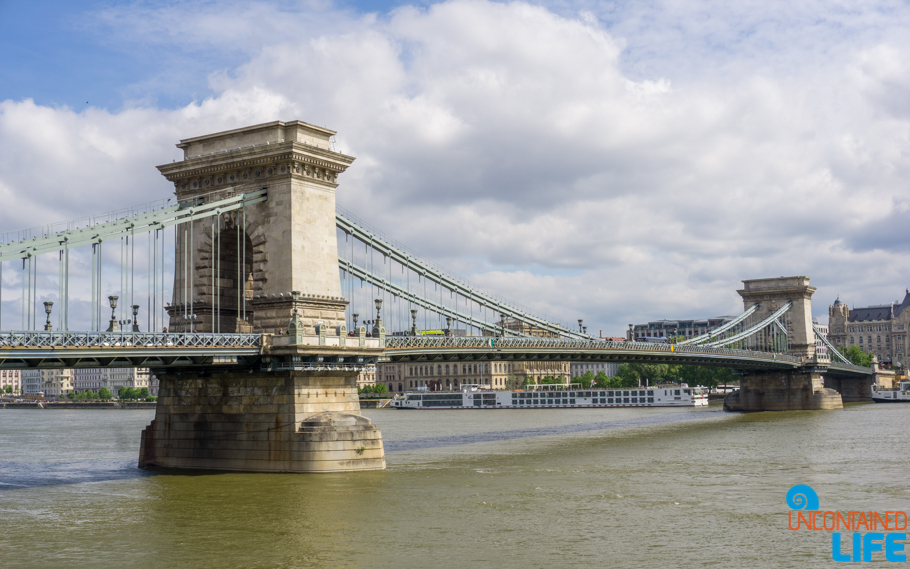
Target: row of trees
(8, 389)
(856, 355)
(104, 394)
(377, 389)
(633, 375)
(133, 394)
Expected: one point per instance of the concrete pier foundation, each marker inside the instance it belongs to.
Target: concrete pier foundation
(783, 391)
(261, 421)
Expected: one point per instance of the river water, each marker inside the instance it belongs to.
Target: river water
(478, 488)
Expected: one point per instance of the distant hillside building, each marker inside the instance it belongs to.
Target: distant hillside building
(879, 330)
(578, 369)
(515, 325)
(671, 328)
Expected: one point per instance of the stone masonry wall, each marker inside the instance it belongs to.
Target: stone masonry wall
(261, 421)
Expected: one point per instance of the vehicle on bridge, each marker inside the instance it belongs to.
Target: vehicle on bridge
(555, 397)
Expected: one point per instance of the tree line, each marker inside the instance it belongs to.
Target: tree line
(856, 355)
(104, 394)
(377, 389)
(633, 375)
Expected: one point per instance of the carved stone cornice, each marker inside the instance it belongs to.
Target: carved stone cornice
(255, 164)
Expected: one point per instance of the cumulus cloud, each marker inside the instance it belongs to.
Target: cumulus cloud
(553, 155)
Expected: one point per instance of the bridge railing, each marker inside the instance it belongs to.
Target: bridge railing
(44, 339)
(479, 342)
(850, 367)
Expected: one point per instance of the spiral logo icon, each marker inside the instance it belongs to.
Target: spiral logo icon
(802, 497)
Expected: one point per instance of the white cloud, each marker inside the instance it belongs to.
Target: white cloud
(526, 149)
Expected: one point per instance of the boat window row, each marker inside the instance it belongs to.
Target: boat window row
(441, 397)
(560, 394)
(594, 401)
(443, 403)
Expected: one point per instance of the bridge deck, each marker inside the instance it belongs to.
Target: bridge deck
(23, 350)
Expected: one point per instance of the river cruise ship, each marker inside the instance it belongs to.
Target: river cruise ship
(899, 395)
(553, 397)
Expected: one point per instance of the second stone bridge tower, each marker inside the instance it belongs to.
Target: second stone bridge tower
(800, 389)
(772, 294)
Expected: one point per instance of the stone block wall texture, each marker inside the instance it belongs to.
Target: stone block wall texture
(851, 389)
(261, 422)
(782, 391)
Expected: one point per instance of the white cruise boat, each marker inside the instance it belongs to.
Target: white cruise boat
(899, 395)
(554, 397)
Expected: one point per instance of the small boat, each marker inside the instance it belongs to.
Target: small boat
(899, 395)
(565, 396)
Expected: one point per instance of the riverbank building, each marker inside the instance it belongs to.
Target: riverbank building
(880, 330)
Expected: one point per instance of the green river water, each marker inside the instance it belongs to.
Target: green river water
(478, 488)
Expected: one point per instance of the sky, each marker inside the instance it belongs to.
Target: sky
(614, 161)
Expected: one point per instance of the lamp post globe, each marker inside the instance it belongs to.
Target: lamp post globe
(377, 324)
(48, 306)
(113, 326)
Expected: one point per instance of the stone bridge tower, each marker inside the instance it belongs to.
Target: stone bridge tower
(771, 294)
(264, 252)
(271, 266)
(802, 388)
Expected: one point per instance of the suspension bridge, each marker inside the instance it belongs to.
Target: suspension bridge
(251, 296)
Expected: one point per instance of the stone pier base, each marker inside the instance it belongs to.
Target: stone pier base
(851, 389)
(782, 391)
(256, 421)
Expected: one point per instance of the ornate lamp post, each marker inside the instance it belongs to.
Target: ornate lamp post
(356, 316)
(448, 325)
(48, 305)
(579, 324)
(414, 322)
(377, 325)
(502, 324)
(113, 326)
(135, 318)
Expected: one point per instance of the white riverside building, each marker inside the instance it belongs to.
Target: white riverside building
(578, 369)
(50, 382)
(12, 378)
(93, 379)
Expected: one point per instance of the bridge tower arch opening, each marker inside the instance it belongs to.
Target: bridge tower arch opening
(235, 283)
